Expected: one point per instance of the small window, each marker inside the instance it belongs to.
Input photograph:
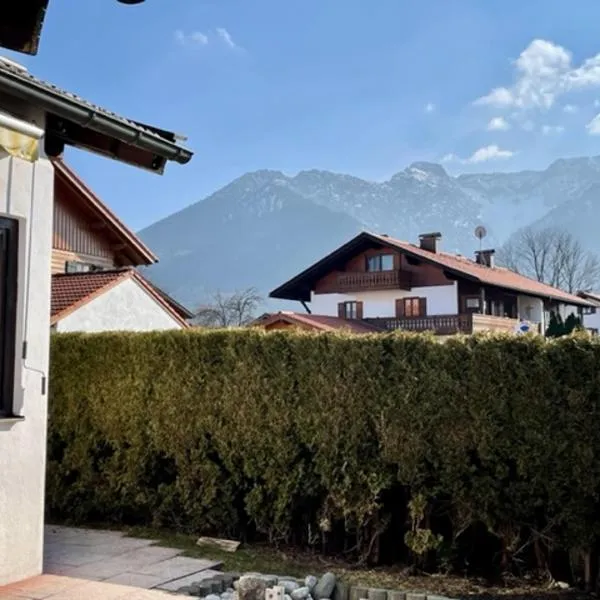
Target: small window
(381, 262)
(8, 312)
(589, 310)
(473, 303)
(411, 307)
(350, 310)
(80, 267)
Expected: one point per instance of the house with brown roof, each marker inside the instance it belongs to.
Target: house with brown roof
(95, 286)
(389, 284)
(309, 322)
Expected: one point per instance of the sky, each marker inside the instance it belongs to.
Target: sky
(349, 86)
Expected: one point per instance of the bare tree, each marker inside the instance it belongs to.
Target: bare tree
(551, 256)
(233, 310)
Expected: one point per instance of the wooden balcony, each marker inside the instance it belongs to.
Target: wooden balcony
(447, 324)
(376, 280)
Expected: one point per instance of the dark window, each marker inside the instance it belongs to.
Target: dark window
(381, 262)
(80, 267)
(589, 310)
(472, 304)
(8, 311)
(414, 307)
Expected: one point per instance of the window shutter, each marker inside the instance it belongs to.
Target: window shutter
(422, 307)
(341, 310)
(359, 310)
(399, 308)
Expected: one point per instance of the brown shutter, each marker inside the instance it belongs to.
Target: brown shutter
(422, 307)
(359, 310)
(341, 310)
(399, 308)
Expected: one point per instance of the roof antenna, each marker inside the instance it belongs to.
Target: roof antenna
(480, 233)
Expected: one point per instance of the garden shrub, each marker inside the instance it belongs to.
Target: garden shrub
(382, 447)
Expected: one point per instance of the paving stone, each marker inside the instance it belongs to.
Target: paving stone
(175, 584)
(136, 580)
(177, 567)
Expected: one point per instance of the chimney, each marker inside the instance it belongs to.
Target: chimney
(485, 257)
(429, 241)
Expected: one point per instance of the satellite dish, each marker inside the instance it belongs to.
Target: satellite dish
(480, 232)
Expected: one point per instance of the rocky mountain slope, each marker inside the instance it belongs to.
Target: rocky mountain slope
(265, 226)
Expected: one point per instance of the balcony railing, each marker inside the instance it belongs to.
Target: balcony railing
(376, 280)
(447, 324)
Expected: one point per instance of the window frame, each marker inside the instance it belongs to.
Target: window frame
(402, 303)
(9, 273)
(379, 260)
(353, 314)
(86, 267)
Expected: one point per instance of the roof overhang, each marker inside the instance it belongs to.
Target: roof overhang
(299, 287)
(70, 120)
(21, 25)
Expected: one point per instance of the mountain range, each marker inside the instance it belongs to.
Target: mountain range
(265, 226)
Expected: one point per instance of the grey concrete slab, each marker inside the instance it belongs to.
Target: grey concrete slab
(180, 566)
(135, 580)
(175, 584)
(109, 556)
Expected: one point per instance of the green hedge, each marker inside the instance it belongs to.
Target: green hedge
(384, 447)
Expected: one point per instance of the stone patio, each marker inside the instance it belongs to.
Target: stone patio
(110, 557)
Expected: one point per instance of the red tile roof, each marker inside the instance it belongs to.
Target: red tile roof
(495, 276)
(70, 291)
(298, 288)
(317, 322)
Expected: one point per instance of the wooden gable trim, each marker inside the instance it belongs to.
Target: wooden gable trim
(103, 221)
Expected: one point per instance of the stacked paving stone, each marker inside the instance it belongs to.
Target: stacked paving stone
(256, 586)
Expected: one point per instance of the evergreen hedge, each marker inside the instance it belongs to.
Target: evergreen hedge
(478, 451)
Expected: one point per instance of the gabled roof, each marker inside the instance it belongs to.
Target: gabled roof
(133, 247)
(71, 291)
(74, 121)
(299, 287)
(316, 322)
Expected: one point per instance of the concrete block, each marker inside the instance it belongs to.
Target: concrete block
(358, 593)
(377, 594)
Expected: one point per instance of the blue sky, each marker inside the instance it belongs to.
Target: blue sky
(345, 85)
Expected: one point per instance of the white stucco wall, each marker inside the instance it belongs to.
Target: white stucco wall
(441, 300)
(592, 321)
(26, 191)
(126, 306)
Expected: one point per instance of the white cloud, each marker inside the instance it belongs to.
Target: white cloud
(570, 108)
(593, 126)
(430, 107)
(544, 71)
(195, 37)
(226, 37)
(498, 124)
(552, 129)
(492, 152)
